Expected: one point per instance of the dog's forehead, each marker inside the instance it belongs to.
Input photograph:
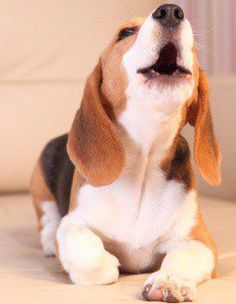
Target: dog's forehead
(136, 21)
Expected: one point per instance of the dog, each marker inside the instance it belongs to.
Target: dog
(118, 193)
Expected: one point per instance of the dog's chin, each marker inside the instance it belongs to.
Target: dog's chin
(164, 93)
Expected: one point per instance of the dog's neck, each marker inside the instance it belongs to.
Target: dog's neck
(148, 128)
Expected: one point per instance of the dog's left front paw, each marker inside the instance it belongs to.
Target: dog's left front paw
(165, 288)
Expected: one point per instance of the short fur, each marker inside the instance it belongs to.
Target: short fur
(179, 167)
(94, 145)
(58, 171)
(206, 151)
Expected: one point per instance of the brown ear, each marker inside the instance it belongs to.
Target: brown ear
(94, 145)
(206, 150)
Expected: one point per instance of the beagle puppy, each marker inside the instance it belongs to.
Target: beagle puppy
(118, 194)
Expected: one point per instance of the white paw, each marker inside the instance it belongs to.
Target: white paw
(49, 222)
(83, 256)
(165, 288)
(48, 244)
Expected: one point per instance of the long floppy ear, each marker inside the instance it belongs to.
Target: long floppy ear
(206, 150)
(94, 145)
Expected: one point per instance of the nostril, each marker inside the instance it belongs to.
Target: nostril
(179, 14)
(161, 14)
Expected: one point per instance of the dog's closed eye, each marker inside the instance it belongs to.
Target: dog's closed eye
(126, 33)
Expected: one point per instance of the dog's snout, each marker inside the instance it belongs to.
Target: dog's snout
(169, 15)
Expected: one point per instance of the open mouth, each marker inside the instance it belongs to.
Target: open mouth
(166, 63)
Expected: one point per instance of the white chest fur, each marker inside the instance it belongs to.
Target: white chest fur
(141, 210)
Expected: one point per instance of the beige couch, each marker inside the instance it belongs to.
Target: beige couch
(47, 49)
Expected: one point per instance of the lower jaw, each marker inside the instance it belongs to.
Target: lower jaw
(165, 79)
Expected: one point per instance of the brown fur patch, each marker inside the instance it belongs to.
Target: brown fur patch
(77, 183)
(201, 234)
(114, 75)
(206, 150)
(177, 165)
(94, 145)
(39, 191)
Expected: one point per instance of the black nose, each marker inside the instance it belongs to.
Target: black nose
(169, 15)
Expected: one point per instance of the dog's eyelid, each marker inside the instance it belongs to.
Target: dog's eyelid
(126, 32)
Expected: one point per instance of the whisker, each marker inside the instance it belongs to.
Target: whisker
(204, 32)
(203, 48)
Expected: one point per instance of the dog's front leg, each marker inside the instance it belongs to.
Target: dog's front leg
(82, 254)
(181, 271)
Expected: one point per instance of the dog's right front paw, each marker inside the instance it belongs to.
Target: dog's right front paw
(83, 256)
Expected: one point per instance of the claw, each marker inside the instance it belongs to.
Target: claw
(146, 291)
(154, 295)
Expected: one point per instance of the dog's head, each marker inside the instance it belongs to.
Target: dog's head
(152, 61)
